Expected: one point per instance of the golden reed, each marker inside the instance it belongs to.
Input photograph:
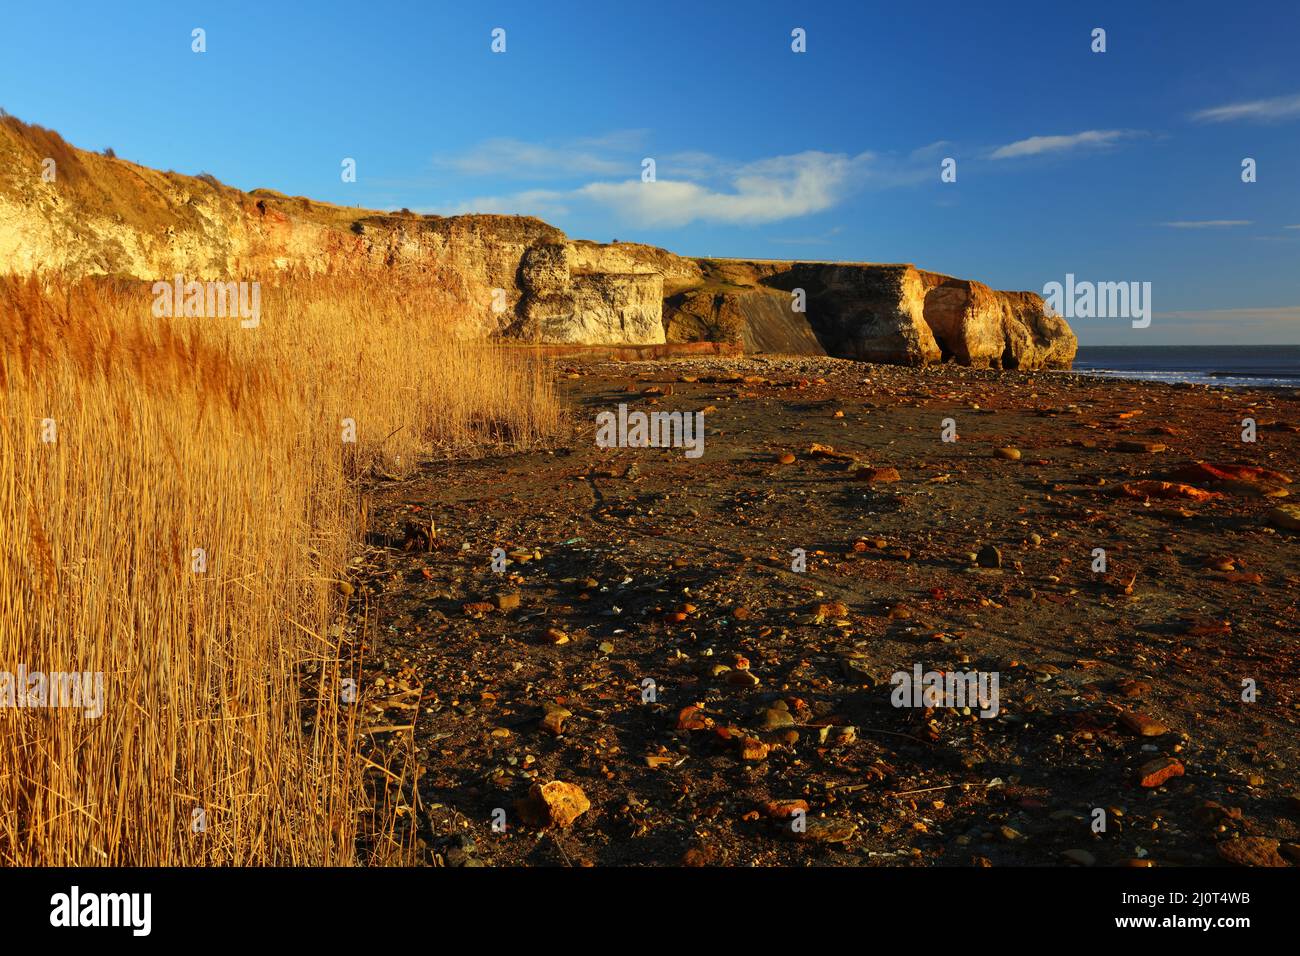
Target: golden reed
(129, 441)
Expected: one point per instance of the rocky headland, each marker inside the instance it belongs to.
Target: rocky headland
(77, 213)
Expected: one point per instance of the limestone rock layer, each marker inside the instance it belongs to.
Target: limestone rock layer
(515, 276)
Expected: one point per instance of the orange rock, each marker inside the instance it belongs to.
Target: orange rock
(1132, 688)
(698, 856)
(867, 473)
(784, 809)
(1254, 473)
(553, 718)
(1165, 489)
(555, 804)
(818, 450)
(1155, 772)
(1142, 725)
(1197, 472)
(1243, 577)
(692, 718)
(752, 748)
(1201, 472)
(830, 611)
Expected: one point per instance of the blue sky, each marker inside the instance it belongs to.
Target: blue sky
(1115, 166)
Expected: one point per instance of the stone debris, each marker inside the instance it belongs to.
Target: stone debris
(700, 664)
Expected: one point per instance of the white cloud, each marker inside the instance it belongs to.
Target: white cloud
(767, 190)
(603, 174)
(783, 187)
(1036, 145)
(1296, 226)
(692, 164)
(1279, 107)
(607, 155)
(1206, 223)
(529, 202)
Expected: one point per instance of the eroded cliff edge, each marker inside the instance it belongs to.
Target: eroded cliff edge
(516, 276)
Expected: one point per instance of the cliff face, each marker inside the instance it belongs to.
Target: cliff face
(515, 276)
(980, 327)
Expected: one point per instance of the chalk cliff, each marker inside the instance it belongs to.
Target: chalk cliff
(80, 213)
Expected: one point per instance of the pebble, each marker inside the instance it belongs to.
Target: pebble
(555, 804)
(818, 830)
(838, 735)
(553, 718)
(1140, 446)
(751, 748)
(774, 718)
(1132, 688)
(1155, 772)
(1142, 725)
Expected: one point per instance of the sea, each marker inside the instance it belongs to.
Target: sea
(1219, 365)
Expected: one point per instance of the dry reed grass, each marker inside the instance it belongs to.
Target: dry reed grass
(222, 687)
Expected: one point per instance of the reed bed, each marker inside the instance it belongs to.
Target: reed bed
(178, 504)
